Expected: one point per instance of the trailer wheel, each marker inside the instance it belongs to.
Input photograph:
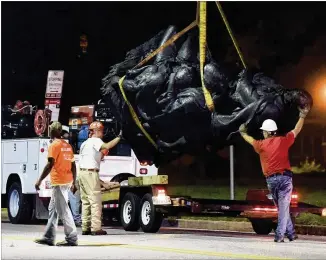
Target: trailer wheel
(20, 209)
(262, 226)
(150, 220)
(129, 213)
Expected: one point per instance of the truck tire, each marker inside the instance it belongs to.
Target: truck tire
(262, 226)
(20, 207)
(150, 220)
(129, 213)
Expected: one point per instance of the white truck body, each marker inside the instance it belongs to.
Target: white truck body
(23, 160)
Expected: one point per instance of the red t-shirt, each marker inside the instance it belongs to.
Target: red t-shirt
(274, 153)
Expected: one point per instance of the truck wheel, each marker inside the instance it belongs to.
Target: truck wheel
(129, 213)
(150, 220)
(20, 209)
(262, 226)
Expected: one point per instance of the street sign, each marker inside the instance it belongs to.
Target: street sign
(54, 106)
(54, 84)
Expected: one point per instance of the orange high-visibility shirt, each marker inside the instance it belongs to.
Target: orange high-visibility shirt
(63, 156)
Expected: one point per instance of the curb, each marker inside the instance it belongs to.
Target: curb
(236, 226)
(223, 225)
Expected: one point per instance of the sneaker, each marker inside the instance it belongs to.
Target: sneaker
(86, 233)
(99, 233)
(66, 243)
(44, 241)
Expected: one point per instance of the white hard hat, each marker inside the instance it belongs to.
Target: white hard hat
(269, 125)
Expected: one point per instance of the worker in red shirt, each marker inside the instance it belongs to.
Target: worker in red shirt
(274, 158)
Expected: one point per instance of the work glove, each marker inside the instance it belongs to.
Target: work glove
(120, 134)
(304, 111)
(243, 128)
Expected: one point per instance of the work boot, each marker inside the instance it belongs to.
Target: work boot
(86, 233)
(99, 233)
(66, 243)
(293, 237)
(44, 241)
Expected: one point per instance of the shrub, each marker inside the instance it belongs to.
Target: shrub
(308, 167)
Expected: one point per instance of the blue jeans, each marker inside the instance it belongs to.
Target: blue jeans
(280, 187)
(74, 200)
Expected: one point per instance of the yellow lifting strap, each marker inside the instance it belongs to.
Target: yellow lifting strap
(202, 53)
(230, 33)
(168, 43)
(134, 115)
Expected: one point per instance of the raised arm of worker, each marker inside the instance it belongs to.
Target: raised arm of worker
(111, 144)
(243, 132)
(303, 113)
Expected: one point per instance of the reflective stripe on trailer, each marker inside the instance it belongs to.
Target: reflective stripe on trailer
(110, 206)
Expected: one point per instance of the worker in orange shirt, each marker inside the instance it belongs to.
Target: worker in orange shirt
(62, 170)
(274, 157)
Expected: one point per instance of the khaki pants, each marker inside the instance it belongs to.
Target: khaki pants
(90, 194)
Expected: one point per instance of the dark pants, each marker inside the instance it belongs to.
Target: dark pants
(280, 186)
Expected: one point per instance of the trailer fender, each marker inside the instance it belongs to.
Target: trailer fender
(122, 177)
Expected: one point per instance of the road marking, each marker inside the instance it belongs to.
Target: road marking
(164, 249)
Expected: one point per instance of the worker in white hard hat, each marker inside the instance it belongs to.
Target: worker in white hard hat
(273, 152)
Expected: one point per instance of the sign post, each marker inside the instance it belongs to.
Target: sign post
(232, 172)
(54, 92)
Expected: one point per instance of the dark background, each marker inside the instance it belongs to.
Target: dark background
(284, 39)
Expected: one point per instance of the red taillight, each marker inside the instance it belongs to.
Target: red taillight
(42, 150)
(295, 196)
(323, 213)
(266, 209)
(143, 171)
(160, 192)
(143, 163)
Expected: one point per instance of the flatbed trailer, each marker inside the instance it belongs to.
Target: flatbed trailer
(143, 202)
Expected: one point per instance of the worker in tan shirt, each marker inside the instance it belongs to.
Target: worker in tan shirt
(91, 154)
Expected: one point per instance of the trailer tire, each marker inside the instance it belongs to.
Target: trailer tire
(150, 220)
(129, 213)
(20, 206)
(262, 226)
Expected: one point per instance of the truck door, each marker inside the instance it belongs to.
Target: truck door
(14, 160)
(32, 167)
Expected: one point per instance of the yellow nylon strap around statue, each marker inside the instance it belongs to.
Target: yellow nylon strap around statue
(168, 43)
(230, 33)
(134, 115)
(202, 53)
(154, 53)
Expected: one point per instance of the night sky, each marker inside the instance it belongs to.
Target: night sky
(285, 39)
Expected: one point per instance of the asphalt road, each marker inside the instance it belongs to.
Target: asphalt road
(17, 243)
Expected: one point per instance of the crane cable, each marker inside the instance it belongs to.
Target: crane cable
(230, 33)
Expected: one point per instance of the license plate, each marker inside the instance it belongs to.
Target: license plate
(161, 200)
